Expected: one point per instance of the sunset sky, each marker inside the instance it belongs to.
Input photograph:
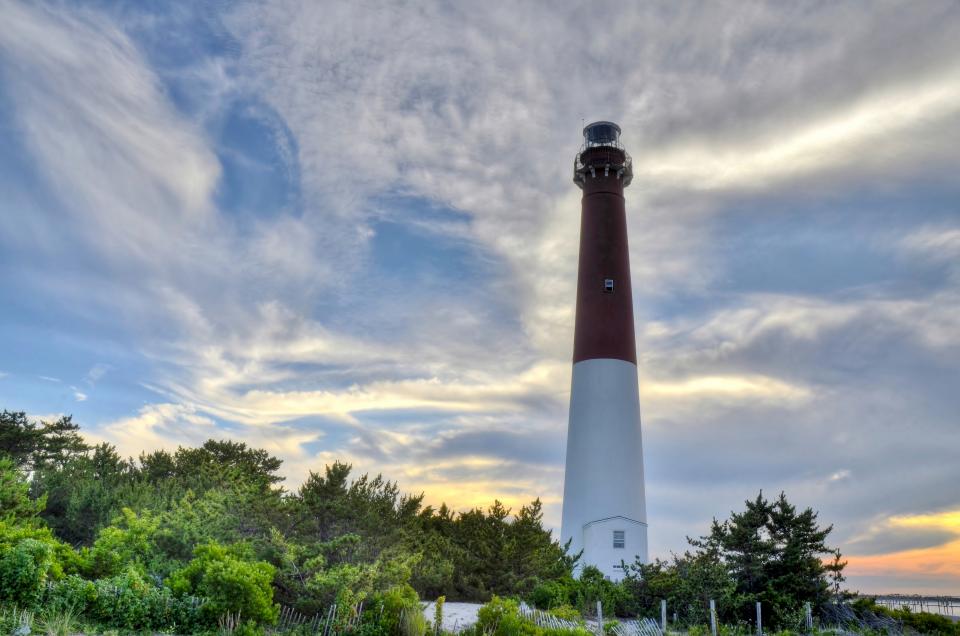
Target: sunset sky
(349, 231)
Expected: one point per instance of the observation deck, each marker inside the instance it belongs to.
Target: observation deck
(602, 154)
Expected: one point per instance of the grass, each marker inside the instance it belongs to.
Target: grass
(57, 623)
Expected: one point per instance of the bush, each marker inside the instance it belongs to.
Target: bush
(566, 613)
(928, 623)
(23, 572)
(922, 622)
(557, 593)
(63, 558)
(127, 601)
(130, 602)
(438, 614)
(71, 593)
(124, 543)
(501, 617)
(229, 585)
(593, 587)
(383, 611)
(413, 623)
(346, 584)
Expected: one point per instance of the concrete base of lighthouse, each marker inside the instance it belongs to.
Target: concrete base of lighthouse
(604, 508)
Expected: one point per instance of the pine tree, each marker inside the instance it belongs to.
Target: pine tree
(775, 555)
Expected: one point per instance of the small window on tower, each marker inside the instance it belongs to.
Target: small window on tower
(619, 540)
(608, 285)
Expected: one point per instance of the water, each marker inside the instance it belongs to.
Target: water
(945, 605)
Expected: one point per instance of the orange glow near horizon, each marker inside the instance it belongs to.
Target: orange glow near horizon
(942, 561)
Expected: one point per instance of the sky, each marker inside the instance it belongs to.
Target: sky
(349, 231)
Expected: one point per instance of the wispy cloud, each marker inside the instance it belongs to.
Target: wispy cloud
(349, 232)
(96, 372)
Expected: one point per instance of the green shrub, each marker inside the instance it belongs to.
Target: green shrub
(736, 629)
(501, 616)
(71, 593)
(438, 614)
(346, 584)
(130, 602)
(927, 623)
(593, 586)
(557, 593)
(228, 584)
(922, 622)
(383, 610)
(127, 601)
(413, 623)
(566, 613)
(63, 557)
(24, 569)
(372, 628)
(126, 542)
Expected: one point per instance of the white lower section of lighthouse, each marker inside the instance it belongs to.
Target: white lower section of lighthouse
(604, 508)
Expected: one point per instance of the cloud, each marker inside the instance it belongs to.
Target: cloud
(168, 426)
(105, 136)
(741, 388)
(224, 219)
(901, 533)
(96, 372)
(836, 139)
(913, 546)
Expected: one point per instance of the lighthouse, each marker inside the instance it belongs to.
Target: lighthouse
(604, 509)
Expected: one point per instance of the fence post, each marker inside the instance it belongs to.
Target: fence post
(663, 615)
(713, 617)
(759, 620)
(809, 613)
(599, 618)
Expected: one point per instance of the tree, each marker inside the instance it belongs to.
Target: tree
(330, 505)
(775, 555)
(835, 572)
(15, 502)
(114, 521)
(220, 463)
(86, 492)
(32, 445)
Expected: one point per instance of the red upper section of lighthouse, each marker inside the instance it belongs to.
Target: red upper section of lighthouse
(604, 323)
